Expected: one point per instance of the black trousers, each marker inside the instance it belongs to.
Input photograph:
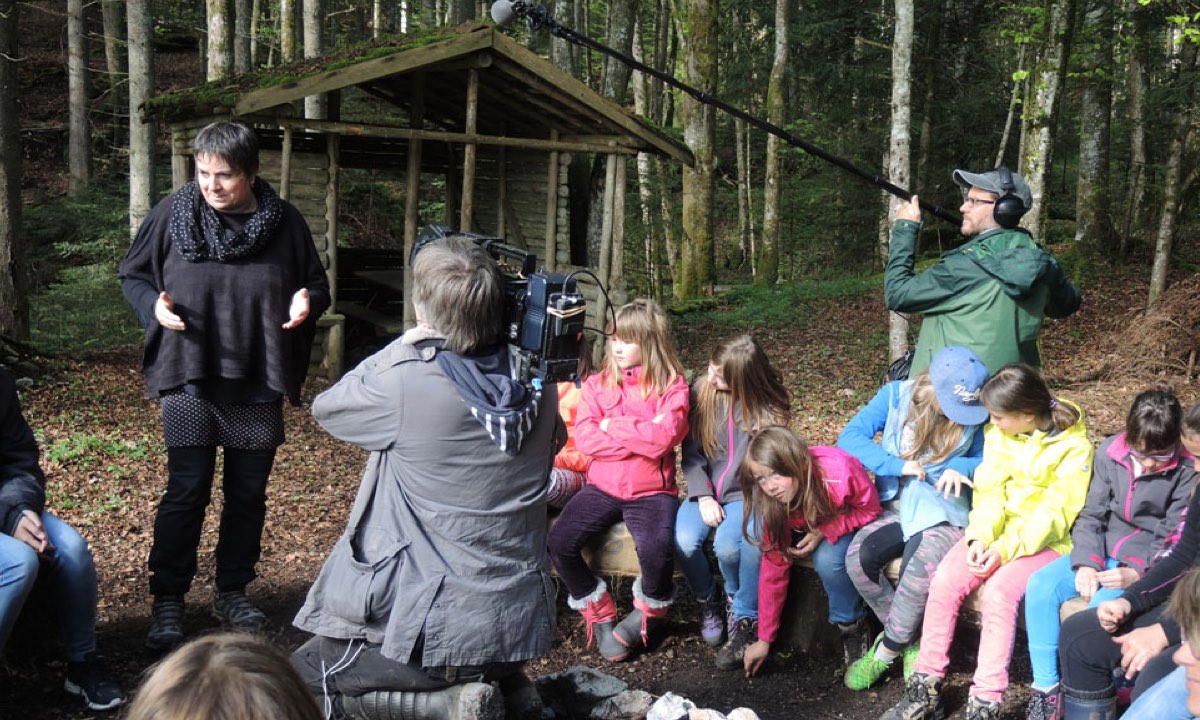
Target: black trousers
(180, 517)
(1088, 656)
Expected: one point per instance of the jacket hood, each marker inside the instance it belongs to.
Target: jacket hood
(506, 408)
(1011, 257)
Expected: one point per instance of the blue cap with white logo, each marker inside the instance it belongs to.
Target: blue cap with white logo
(958, 376)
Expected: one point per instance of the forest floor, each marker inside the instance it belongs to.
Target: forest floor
(104, 458)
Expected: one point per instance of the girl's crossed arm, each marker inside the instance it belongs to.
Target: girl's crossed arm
(617, 436)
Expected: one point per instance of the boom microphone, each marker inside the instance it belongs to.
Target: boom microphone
(504, 11)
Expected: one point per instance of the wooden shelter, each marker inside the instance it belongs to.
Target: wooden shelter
(471, 106)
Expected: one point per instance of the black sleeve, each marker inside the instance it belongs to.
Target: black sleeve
(1156, 585)
(22, 484)
(140, 268)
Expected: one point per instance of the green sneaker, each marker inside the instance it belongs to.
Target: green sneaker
(866, 671)
(909, 657)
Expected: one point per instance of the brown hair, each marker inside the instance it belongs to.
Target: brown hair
(645, 323)
(1020, 388)
(1185, 607)
(933, 433)
(458, 292)
(1154, 419)
(229, 676)
(784, 452)
(1191, 420)
(754, 387)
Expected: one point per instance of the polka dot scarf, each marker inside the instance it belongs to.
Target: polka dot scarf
(198, 234)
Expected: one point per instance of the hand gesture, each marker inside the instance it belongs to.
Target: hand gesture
(952, 481)
(1139, 646)
(912, 468)
(1087, 582)
(164, 313)
(1111, 613)
(807, 545)
(1121, 577)
(910, 210)
(298, 312)
(31, 531)
(755, 655)
(982, 561)
(711, 511)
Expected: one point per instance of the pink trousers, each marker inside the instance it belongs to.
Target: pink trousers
(1002, 593)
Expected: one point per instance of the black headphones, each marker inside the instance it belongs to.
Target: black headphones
(1008, 208)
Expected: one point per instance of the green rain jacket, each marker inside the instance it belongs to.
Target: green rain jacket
(989, 295)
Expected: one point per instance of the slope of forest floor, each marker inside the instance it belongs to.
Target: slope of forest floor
(103, 453)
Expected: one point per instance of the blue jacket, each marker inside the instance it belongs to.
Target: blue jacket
(921, 505)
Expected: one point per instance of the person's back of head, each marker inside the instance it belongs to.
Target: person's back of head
(1020, 388)
(1154, 419)
(458, 291)
(229, 676)
(236, 143)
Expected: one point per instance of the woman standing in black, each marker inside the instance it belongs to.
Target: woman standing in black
(228, 284)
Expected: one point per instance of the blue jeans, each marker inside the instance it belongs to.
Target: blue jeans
(829, 559)
(69, 576)
(737, 557)
(1165, 700)
(1047, 590)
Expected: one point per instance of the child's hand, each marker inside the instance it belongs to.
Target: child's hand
(1118, 577)
(711, 511)
(952, 480)
(986, 562)
(755, 656)
(1140, 646)
(807, 545)
(1086, 582)
(32, 532)
(912, 468)
(1111, 613)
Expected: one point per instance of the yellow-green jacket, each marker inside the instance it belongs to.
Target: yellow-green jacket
(1029, 489)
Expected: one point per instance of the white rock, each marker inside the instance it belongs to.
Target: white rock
(629, 705)
(741, 714)
(589, 681)
(705, 714)
(670, 707)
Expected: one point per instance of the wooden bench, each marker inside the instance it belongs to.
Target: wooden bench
(805, 625)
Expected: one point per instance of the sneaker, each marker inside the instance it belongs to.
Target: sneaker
(712, 620)
(166, 623)
(742, 636)
(91, 680)
(234, 609)
(922, 700)
(982, 709)
(856, 638)
(908, 657)
(867, 670)
(1044, 705)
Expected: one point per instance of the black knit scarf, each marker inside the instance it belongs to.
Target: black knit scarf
(198, 234)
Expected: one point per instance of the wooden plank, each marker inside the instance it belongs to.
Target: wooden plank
(412, 190)
(364, 72)
(285, 165)
(551, 207)
(466, 216)
(388, 325)
(331, 207)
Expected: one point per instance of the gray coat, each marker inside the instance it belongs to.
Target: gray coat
(448, 533)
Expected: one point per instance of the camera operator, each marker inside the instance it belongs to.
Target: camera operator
(440, 583)
(990, 294)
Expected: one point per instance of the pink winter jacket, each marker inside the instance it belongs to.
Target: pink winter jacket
(854, 494)
(635, 457)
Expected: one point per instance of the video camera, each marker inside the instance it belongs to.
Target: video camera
(543, 312)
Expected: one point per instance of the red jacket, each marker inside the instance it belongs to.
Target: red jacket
(854, 494)
(635, 456)
(569, 458)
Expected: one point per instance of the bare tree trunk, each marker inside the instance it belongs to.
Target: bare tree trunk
(141, 134)
(899, 148)
(287, 30)
(1013, 101)
(1169, 216)
(562, 53)
(377, 18)
(696, 268)
(112, 13)
(743, 194)
(255, 15)
(220, 55)
(1049, 75)
(641, 106)
(767, 269)
(80, 144)
(241, 35)
(14, 301)
(314, 45)
(1139, 47)
(1093, 226)
(621, 17)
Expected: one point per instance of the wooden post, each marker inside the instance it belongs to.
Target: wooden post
(412, 193)
(285, 165)
(617, 270)
(181, 163)
(467, 210)
(502, 190)
(333, 144)
(606, 226)
(551, 258)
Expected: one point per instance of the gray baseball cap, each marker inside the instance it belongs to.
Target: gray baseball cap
(990, 181)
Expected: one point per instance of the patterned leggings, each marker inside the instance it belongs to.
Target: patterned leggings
(900, 608)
